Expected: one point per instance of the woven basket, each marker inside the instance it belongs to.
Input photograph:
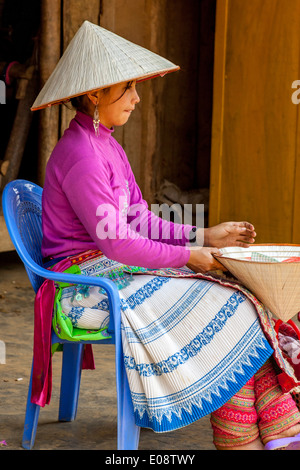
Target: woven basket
(270, 272)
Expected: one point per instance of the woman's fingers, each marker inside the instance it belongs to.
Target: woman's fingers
(244, 232)
(203, 260)
(243, 244)
(247, 225)
(244, 227)
(218, 266)
(230, 234)
(246, 238)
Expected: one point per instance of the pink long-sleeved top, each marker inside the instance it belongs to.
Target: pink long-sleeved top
(92, 201)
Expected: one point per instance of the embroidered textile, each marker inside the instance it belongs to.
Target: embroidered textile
(189, 344)
(260, 408)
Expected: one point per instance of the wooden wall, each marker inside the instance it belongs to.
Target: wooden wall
(162, 136)
(255, 162)
(168, 135)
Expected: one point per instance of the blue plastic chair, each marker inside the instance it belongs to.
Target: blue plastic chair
(22, 211)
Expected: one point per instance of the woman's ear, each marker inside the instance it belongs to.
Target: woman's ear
(94, 97)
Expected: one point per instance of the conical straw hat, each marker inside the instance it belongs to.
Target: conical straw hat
(270, 272)
(95, 59)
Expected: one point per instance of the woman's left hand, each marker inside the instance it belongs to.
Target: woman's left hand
(229, 234)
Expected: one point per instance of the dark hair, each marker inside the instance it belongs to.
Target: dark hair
(77, 101)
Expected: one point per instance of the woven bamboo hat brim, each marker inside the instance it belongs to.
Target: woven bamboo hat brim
(270, 272)
(95, 59)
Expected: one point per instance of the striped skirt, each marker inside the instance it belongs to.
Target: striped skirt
(189, 343)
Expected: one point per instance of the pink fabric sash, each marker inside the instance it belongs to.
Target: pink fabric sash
(42, 356)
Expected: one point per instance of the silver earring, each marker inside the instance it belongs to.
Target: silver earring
(96, 121)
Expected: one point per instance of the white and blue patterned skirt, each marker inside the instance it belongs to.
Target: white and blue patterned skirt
(189, 344)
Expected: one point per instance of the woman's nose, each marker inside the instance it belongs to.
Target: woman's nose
(136, 98)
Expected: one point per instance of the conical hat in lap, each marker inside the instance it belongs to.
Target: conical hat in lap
(97, 58)
(270, 272)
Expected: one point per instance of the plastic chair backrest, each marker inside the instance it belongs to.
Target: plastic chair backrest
(22, 207)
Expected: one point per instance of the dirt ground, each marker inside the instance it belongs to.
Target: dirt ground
(95, 425)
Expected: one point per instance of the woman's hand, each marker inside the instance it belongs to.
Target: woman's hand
(229, 234)
(202, 260)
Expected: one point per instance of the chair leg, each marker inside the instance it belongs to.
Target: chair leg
(31, 420)
(128, 431)
(70, 381)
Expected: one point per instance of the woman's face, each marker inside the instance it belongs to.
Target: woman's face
(116, 104)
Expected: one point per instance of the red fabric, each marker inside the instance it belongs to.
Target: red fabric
(42, 364)
(286, 382)
(259, 408)
(289, 330)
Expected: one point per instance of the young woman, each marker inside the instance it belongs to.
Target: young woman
(193, 344)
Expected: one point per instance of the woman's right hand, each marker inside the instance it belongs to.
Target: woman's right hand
(202, 260)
